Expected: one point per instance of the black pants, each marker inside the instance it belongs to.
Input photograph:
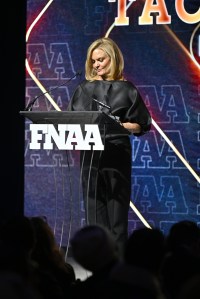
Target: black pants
(106, 181)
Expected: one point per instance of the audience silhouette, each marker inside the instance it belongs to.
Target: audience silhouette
(153, 266)
(94, 248)
(17, 270)
(51, 261)
(13, 286)
(182, 257)
(145, 248)
(17, 240)
(138, 275)
(28, 252)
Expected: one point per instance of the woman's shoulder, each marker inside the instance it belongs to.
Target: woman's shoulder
(83, 82)
(119, 83)
(86, 82)
(124, 83)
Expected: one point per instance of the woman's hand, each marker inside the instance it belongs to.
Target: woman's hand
(132, 127)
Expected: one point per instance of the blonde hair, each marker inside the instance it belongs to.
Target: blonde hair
(114, 53)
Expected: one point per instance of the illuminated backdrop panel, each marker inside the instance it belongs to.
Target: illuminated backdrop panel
(162, 60)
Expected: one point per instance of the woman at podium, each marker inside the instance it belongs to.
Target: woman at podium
(106, 175)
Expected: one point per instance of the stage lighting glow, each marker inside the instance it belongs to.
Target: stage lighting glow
(115, 23)
(47, 95)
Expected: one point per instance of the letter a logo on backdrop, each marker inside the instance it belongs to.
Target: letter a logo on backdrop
(66, 137)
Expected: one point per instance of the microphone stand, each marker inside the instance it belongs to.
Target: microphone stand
(29, 107)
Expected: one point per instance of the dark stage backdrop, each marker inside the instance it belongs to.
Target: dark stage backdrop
(162, 60)
(12, 53)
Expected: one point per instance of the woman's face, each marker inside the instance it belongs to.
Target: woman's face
(100, 63)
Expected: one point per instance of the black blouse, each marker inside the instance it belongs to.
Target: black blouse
(122, 97)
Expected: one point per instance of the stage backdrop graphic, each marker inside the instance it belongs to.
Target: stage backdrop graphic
(162, 60)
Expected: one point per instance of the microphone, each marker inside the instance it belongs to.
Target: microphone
(29, 107)
(102, 104)
(116, 118)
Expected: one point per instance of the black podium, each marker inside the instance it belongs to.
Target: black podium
(107, 123)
